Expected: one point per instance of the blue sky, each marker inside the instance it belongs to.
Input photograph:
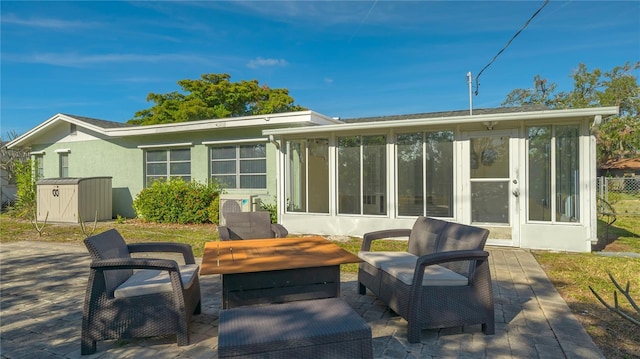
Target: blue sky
(340, 58)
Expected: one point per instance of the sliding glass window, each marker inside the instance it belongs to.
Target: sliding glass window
(553, 167)
(308, 175)
(362, 175)
(425, 174)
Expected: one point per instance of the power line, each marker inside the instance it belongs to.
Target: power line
(508, 43)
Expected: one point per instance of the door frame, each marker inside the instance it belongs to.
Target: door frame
(516, 185)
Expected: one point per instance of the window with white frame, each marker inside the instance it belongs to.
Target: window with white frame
(39, 166)
(166, 164)
(425, 174)
(362, 175)
(554, 173)
(64, 164)
(239, 166)
(308, 175)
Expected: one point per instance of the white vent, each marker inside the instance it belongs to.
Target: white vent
(234, 203)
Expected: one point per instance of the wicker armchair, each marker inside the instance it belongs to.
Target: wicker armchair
(158, 298)
(442, 281)
(250, 225)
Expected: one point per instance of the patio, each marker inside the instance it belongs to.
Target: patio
(43, 286)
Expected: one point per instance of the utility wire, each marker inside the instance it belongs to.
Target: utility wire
(508, 43)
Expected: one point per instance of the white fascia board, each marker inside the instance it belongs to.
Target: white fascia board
(453, 120)
(166, 145)
(234, 141)
(300, 117)
(18, 141)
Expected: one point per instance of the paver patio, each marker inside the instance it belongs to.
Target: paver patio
(42, 287)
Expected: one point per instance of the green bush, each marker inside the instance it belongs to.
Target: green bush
(26, 190)
(175, 201)
(214, 210)
(272, 208)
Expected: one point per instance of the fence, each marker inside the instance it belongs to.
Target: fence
(619, 195)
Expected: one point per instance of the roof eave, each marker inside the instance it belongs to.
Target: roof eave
(500, 117)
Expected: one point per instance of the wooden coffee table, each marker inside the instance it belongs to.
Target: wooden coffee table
(263, 271)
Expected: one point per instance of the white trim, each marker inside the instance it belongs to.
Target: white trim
(227, 142)
(36, 153)
(185, 144)
(452, 120)
(63, 150)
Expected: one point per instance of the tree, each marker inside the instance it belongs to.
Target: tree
(214, 96)
(619, 136)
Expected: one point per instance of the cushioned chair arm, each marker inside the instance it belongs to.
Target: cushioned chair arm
(183, 248)
(279, 230)
(439, 258)
(135, 263)
(224, 233)
(368, 238)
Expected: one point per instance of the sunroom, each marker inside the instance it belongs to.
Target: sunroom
(528, 176)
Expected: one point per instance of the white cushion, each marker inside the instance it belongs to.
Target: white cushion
(151, 281)
(376, 259)
(434, 275)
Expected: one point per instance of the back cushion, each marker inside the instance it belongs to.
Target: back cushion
(249, 225)
(108, 245)
(424, 235)
(457, 237)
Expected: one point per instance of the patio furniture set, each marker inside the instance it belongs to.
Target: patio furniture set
(281, 296)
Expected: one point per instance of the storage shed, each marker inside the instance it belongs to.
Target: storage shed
(73, 200)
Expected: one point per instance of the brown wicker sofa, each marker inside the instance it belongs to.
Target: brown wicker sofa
(159, 298)
(443, 280)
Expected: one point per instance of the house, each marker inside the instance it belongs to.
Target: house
(526, 174)
(622, 167)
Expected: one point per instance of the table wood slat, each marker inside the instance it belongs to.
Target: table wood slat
(258, 255)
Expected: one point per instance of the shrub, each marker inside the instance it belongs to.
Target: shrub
(214, 210)
(272, 208)
(175, 201)
(26, 190)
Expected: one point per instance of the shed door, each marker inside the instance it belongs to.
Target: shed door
(491, 184)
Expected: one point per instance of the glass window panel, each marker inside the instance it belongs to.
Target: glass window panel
(154, 169)
(490, 202)
(180, 155)
(227, 152)
(253, 181)
(253, 166)
(225, 181)
(349, 175)
(374, 174)
(439, 174)
(180, 168)
(64, 165)
(318, 167)
(155, 156)
(296, 195)
(223, 167)
(253, 151)
(567, 174)
(539, 157)
(489, 157)
(410, 174)
(151, 179)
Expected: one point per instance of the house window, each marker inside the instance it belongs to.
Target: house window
(39, 166)
(242, 166)
(64, 165)
(553, 162)
(362, 175)
(308, 175)
(168, 164)
(425, 174)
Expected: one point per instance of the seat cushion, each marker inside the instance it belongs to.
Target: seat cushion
(434, 275)
(149, 281)
(377, 258)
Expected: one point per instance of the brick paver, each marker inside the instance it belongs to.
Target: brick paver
(42, 287)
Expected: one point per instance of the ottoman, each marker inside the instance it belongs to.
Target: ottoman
(321, 328)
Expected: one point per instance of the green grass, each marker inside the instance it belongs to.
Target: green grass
(573, 273)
